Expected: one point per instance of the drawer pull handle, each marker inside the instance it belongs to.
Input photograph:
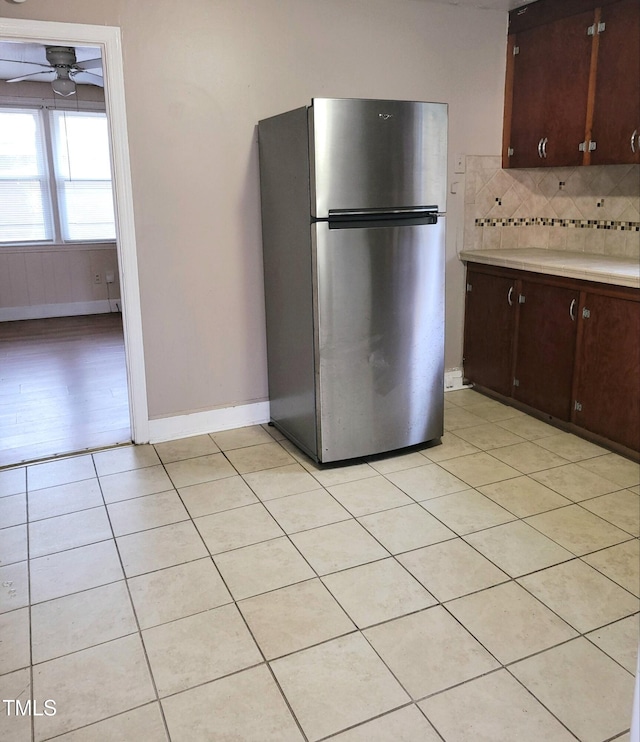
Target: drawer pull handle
(633, 136)
(540, 148)
(544, 147)
(571, 312)
(509, 295)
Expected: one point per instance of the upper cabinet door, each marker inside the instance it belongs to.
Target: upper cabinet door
(616, 118)
(377, 154)
(549, 94)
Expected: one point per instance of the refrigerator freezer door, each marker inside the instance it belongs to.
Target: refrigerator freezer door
(377, 154)
(379, 310)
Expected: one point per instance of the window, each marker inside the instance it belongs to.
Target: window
(55, 176)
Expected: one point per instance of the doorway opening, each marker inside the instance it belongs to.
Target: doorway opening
(73, 366)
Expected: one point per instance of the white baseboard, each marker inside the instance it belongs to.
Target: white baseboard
(211, 421)
(453, 380)
(43, 311)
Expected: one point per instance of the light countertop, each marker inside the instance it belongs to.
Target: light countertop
(585, 266)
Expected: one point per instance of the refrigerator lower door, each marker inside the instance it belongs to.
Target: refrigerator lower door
(379, 317)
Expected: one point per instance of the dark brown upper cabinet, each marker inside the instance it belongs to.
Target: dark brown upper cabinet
(572, 93)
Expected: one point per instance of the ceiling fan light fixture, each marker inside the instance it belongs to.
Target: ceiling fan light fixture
(64, 86)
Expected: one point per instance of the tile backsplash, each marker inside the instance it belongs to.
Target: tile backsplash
(593, 209)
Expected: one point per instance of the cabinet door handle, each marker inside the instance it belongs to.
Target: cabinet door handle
(540, 148)
(571, 308)
(633, 136)
(544, 148)
(509, 295)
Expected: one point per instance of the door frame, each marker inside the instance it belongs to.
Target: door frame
(108, 38)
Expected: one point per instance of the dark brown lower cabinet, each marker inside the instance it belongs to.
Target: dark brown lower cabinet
(608, 370)
(565, 348)
(488, 331)
(545, 351)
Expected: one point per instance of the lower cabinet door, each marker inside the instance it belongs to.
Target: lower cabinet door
(545, 353)
(489, 330)
(608, 385)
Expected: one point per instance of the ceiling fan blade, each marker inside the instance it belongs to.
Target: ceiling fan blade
(19, 61)
(89, 64)
(97, 80)
(28, 77)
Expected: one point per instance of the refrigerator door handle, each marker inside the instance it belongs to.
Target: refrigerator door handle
(377, 213)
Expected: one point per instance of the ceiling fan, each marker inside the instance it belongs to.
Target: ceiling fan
(64, 65)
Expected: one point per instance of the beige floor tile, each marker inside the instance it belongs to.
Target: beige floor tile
(451, 447)
(200, 469)
(135, 483)
(214, 497)
(378, 592)
(81, 620)
(580, 595)
(452, 569)
(577, 529)
(253, 435)
(620, 563)
(69, 531)
(91, 685)
(271, 429)
(338, 546)
(517, 548)
(337, 684)
(425, 482)
(635, 489)
(582, 687)
(528, 427)
(615, 468)
(369, 495)
(74, 570)
(15, 686)
(528, 457)
(524, 496)
(575, 482)
(306, 510)
(466, 397)
(247, 706)
(496, 709)
(146, 512)
(405, 725)
(14, 646)
(390, 463)
(457, 419)
(294, 617)
(281, 481)
(620, 641)
(186, 448)
(571, 447)
(60, 471)
(13, 481)
(622, 509)
(256, 458)
(199, 648)
(13, 510)
(66, 498)
(468, 511)
(488, 436)
(262, 567)
(13, 544)
(160, 547)
(124, 458)
(509, 622)
(177, 592)
(491, 411)
(144, 723)
(479, 468)
(405, 528)
(329, 475)
(14, 586)
(429, 651)
(239, 527)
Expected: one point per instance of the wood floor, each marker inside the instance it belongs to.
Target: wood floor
(63, 386)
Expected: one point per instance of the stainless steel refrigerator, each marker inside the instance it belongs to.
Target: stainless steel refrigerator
(353, 223)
